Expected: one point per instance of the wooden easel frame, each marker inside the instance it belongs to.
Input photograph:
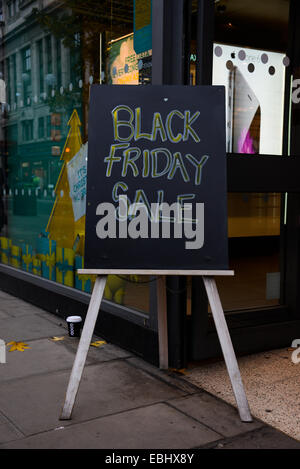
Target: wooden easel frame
(217, 312)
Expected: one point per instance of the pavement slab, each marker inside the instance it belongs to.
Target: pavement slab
(9, 433)
(34, 403)
(16, 308)
(212, 412)
(28, 327)
(43, 356)
(124, 402)
(7, 296)
(169, 376)
(263, 438)
(3, 315)
(271, 383)
(157, 426)
(102, 353)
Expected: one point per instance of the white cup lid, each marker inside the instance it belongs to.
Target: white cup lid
(74, 319)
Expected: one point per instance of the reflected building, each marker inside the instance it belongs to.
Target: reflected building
(37, 69)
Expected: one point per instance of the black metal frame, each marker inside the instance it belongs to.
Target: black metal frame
(195, 337)
(171, 37)
(263, 173)
(262, 328)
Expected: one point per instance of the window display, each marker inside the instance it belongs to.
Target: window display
(254, 81)
(48, 69)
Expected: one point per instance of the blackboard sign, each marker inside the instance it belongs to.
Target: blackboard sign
(156, 181)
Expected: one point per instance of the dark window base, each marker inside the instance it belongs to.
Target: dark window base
(58, 300)
(247, 340)
(143, 341)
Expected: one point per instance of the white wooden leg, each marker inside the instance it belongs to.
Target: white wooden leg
(83, 347)
(162, 323)
(227, 348)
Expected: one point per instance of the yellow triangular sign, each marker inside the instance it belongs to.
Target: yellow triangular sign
(61, 225)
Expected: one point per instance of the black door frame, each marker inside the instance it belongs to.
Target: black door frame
(195, 338)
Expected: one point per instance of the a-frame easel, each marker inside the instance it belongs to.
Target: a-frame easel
(217, 312)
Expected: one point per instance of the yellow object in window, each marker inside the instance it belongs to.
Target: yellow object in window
(61, 225)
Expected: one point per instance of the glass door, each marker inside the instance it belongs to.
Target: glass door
(252, 58)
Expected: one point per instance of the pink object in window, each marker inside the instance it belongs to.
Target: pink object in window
(245, 143)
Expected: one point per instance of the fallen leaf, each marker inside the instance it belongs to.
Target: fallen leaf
(98, 343)
(56, 339)
(181, 371)
(20, 346)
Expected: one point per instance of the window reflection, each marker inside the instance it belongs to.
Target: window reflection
(249, 59)
(47, 71)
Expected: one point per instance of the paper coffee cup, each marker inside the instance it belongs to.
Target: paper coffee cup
(74, 325)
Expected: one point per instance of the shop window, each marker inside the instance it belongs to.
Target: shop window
(254, 88)
(69, 48)
(250, 60)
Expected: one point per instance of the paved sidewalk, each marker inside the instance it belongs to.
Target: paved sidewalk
(122, 403)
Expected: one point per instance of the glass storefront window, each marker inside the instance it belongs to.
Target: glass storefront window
(250, 61)
(254, 90)
(254, 251)
(50, 58)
